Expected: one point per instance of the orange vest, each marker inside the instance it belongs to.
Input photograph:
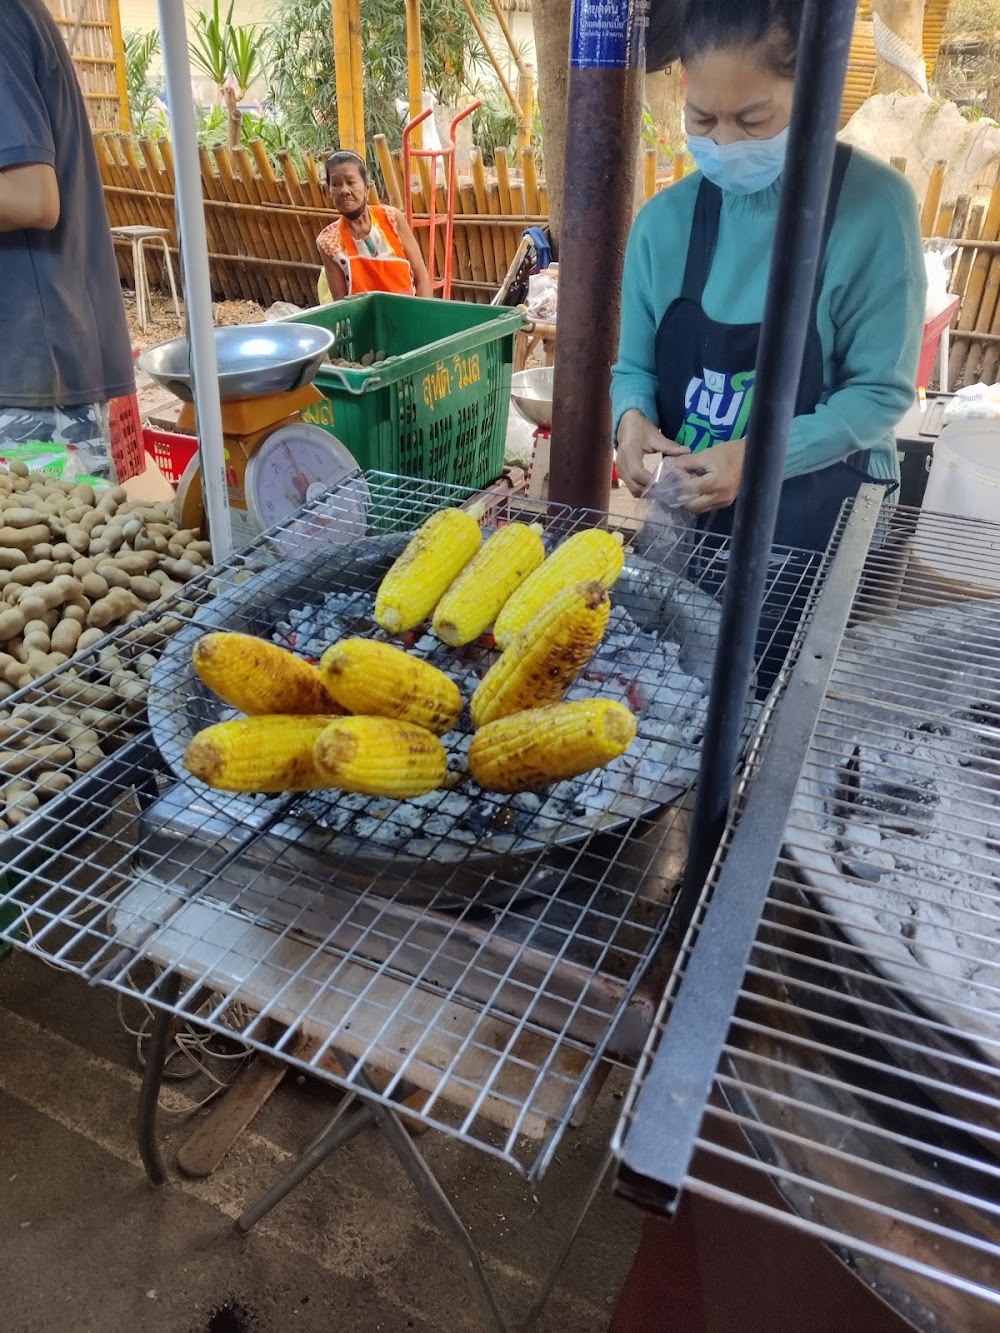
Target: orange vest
(364, 271)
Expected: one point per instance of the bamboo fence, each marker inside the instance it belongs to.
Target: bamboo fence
(94, 29)
(262, 223)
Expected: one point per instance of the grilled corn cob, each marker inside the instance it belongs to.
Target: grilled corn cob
(379, 756)
(375, 678)
(258, 677)
(544, 745)
(479, 594)
(541, 662)
(594, 554)
(427, 568)
(265, 754)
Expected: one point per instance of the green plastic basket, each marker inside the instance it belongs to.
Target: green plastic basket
(435, 407)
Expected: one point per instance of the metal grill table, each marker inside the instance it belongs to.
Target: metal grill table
(852, 922)
(473, 966)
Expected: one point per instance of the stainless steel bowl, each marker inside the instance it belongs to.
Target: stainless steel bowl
(254, 360)
(531, 391)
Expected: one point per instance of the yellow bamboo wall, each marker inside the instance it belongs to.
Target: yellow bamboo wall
(99, 57)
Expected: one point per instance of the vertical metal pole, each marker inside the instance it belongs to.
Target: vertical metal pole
(607, 55)
(827, 27)
(197, 280)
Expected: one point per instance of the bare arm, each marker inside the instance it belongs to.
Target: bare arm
(335, 277)
(421, 278)
(29, 198)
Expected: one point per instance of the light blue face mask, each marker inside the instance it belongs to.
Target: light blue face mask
(743, 167)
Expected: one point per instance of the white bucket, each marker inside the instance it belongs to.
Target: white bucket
(964, 481)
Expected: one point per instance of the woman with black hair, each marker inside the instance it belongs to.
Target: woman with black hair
(369, 248)
(696, 274)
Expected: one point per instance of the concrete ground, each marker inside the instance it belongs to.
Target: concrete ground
(86, 1246)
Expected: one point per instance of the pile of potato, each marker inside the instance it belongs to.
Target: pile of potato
(76, 563)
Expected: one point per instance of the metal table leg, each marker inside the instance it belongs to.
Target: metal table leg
(340, 1129)
(435, 1200)
(152, 1077)
(545, 1290)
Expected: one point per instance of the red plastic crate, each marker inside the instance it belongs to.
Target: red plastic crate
(125, 429)
(170, 450)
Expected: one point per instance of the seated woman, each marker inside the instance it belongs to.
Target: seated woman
(369, 248)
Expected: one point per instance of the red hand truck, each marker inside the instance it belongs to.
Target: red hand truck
(449, 154)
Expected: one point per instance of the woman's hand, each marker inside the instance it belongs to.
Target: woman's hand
(637, 438)
(713, 476)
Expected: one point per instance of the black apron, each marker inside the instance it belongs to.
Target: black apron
(705, 377)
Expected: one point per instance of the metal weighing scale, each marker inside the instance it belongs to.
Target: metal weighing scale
(275, 461)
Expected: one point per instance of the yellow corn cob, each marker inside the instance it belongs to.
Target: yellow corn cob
(545, 745)
(265, 754)
(375, 678)
(541, 663)
(478, 595)
(594, 554)
(427, 568)
(379, 756)
(258, 677)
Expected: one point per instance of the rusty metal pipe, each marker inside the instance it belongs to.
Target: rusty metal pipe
(602, 140)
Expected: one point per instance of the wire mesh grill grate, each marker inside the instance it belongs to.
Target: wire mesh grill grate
(483, 956)
(861, 1073)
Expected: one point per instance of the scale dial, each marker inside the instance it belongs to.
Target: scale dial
(293, 466)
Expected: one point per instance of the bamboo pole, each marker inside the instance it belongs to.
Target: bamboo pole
(357, 76)
(470, 205)
(481, 191)
(526, 97)
(415, 68)
(501, 75)
(975, 292)
(388, 169)
(932, 200)
(504, 26)
(281, 222)
(313, 182)
(649, 164)
(680, 166)
(463, 257)
(121, 80)
(529, 172)
(511, 240)
(342, 72)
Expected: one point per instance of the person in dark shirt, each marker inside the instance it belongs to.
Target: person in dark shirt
(64, 343)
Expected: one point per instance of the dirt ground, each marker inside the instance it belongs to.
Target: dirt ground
(165, 323)
(86, 1246)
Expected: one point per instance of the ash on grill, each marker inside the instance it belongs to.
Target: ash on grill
(907, 808)
(634, 666)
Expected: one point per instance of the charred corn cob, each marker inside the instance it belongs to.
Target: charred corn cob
(541, 662)
(594, 554)
(265, 754)
(258, 677)
(379, 756)
(478, 595)
(531, 750)
(427, 568)
(375, 678)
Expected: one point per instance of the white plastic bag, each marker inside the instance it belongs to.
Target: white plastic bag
(543, 296)
(976, 402)
(667, 536)
(938, 257)
(520, 444)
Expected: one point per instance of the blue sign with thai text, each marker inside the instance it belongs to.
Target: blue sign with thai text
(608, 34)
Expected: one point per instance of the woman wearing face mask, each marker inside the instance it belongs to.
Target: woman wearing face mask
(696, 275)
(369, 248)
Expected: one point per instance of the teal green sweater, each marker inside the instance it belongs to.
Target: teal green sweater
(871, 310)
